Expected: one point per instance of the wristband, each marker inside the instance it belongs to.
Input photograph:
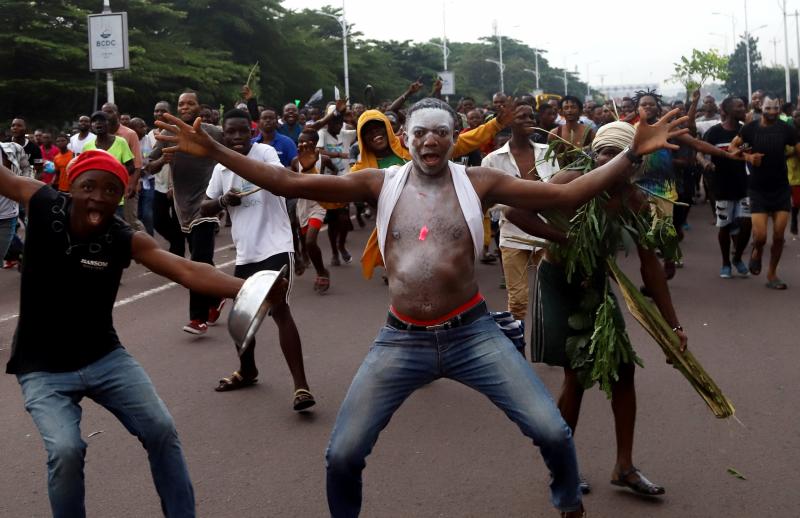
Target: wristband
(632, 157)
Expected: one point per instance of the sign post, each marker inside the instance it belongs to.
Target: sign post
(108, 45)
(448, 82)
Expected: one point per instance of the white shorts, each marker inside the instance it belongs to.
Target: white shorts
(728, 211)
(307, 209)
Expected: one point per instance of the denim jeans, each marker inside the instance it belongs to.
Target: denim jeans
(146, 209)
(478, 355)
(8, 229)
(201, 247)
(120, 384)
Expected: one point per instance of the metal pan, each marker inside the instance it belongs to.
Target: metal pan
(251, 306)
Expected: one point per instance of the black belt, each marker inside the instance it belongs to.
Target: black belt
(462, 319)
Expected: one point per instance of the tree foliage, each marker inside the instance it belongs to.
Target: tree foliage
(694, 71)
(211, 45)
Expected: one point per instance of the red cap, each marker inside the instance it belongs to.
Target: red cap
(97, 160)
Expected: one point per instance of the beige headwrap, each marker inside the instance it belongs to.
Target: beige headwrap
(616, 134)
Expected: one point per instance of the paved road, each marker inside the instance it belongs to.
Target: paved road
(448, 452)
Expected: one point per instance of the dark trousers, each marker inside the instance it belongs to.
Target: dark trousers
(165, 222)
(201, 248)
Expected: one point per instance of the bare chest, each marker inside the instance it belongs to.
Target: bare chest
(432, 220)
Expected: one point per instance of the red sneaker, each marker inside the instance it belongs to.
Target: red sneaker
(214, 313)
(196, 327)
(7, 265)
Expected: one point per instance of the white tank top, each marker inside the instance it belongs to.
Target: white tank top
(394, 180)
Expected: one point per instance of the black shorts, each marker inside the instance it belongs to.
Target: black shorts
(771, 201)
(332, 215)
(274, 262)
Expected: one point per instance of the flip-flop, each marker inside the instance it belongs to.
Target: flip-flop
(776, 284)
(641, 486)
(235, 382)
(303, 400)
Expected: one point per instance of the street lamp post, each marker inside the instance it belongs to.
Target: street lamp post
(786, 48)
(588, 90)
(566, 89)
(499, 63)
(109, 75)
(500, 67)
(535, 73)
(342, 21)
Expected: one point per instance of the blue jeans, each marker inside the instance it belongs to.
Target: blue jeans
(8, 229)
(120, 384)
(478, 355)
(146, 197)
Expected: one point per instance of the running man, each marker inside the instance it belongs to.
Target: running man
(85, 248)
(430, 230)
(263, 240)
(769, 191)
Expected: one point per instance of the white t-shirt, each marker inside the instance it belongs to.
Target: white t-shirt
(339, 144)
(76, 144)
(260, 225)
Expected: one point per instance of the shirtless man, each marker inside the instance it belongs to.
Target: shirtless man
(430, 232)
(577, 134)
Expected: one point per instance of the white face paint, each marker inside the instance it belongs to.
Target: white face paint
(429, 138)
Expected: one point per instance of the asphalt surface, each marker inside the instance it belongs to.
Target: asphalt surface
(448, 452)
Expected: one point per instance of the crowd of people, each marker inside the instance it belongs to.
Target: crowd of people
(446, 187)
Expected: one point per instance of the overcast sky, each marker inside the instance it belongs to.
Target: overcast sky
(624, 41)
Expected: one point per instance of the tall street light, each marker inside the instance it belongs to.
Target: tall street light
(342, 21)
(786, 47)
(499, 62)
(566, 89)
(501, 67)
(535, 73)
(588, 90)
(733, 26)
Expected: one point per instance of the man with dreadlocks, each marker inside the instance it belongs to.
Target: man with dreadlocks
(559, 298)
(657, 176)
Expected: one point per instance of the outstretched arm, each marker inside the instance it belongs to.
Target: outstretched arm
(361, 186)
(200, 277)
(495, 187)
(17, 188)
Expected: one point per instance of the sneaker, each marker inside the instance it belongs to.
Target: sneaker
(346, 257)
(725, 272)
(214, 314)
(196, 327)
(7, 265)
(741, 268)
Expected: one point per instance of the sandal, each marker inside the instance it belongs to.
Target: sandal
(321, 284)
(236, 381)
(641, 485)
(303, 400)
(776, 284)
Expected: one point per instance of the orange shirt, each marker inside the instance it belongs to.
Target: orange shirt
(61, 160)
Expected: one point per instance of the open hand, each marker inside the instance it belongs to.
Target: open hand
(651, 138)
(186, 139)
(506, 114)
(437, 85)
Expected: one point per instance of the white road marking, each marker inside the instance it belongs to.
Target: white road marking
(133, 298)
(152, 291)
